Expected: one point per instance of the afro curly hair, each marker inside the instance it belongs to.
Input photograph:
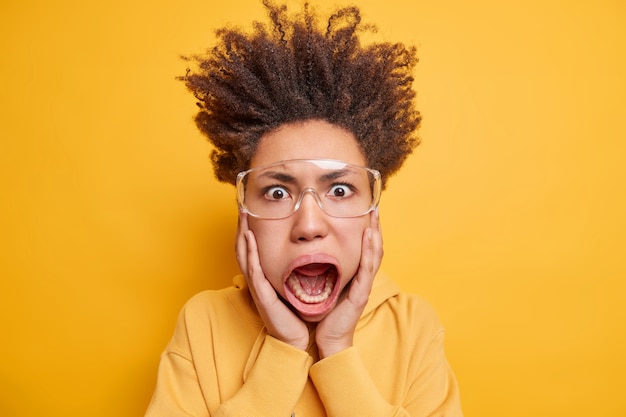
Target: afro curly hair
(296, 70)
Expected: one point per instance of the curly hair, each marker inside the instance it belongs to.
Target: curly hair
(294, 70)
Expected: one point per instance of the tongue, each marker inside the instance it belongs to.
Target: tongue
(313, 285)
(312, 278)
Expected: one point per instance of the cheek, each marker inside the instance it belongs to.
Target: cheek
(269, 237)
(351, 247)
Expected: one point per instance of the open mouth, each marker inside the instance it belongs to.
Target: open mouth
(313, 283)
(313, 288)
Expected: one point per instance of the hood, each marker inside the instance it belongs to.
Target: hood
(382, 289)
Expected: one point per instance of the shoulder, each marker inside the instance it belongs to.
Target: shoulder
(412, 304)
(228, 303)
(388, 304)
(214, 313)
(405, 326)
(411, 312)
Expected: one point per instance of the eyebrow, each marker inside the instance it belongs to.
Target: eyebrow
(280, 176)
(333, 175)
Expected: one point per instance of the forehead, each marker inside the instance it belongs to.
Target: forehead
(308, 140)
(293, 171)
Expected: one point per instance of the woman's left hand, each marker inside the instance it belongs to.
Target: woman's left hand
(336, 331)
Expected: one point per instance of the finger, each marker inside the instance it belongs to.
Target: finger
(253, 271)
(252, 255)
(368, 255)
(371, 252)
(260, 287)
(362, 283)
(241, 243)
(377, 240)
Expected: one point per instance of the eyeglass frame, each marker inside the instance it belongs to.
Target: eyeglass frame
(376, 188)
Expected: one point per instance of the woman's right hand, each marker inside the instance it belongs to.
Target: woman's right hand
(279, 320)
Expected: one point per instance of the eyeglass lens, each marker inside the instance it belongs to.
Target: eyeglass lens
(278, 190)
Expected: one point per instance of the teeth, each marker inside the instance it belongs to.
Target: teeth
(294, 283)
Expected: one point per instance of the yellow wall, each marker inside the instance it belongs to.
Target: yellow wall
(509, 218)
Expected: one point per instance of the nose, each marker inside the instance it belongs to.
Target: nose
(309, 221)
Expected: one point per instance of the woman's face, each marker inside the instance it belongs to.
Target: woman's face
(309, 257)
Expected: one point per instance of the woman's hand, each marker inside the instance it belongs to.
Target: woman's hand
(336, 331)
(279, 320)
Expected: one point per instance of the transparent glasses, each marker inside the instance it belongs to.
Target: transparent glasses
(276, 191)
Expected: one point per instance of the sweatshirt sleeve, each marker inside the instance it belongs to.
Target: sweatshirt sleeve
(177, 393)
(274, 384)
(434, 390)
(272, 387)
(347, 390)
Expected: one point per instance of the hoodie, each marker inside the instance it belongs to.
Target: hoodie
(221, 362)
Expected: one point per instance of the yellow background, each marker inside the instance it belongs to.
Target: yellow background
(509, 218)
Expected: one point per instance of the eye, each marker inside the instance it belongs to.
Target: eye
(276, 193)
(340, 191)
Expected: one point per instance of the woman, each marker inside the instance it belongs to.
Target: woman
(308, 124)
